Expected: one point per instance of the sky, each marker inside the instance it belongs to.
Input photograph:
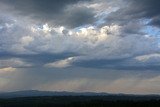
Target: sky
(108, 46)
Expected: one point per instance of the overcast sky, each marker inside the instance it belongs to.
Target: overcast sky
(80, 45)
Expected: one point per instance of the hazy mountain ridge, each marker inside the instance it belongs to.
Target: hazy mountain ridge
(32, 93)
(36, 93)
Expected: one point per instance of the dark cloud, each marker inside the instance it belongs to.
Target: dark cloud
(125, 64)
(77, 16)
(36, 59)
(136, 10)
(139, 68)
(99, 63)
(39, 6)
(68, 14)
(155, 21)
(57, 12)
(132, 27)
(147, 8)
(111, 49)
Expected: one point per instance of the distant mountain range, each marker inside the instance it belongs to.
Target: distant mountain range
(36, 93)
(33, 93)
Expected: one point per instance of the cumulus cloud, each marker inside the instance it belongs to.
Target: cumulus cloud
(148, 58)
(26, 40)
(7, 69)
(14, 62)
(109, 42)
(61, 63)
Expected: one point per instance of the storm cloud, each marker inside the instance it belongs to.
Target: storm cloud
(75, 42)
(53, 11)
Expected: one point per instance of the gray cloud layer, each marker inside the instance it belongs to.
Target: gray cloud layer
(68, 13)
(135, 10)
(58, 35)
(118, 43)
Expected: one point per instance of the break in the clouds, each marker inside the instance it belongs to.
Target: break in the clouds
(61, 39)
